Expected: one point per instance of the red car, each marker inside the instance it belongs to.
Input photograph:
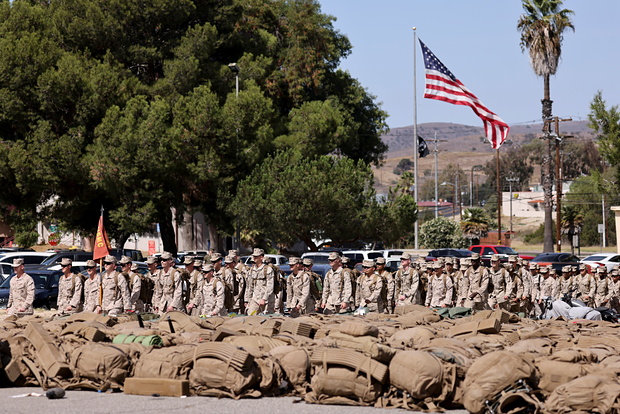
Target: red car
(487, 250)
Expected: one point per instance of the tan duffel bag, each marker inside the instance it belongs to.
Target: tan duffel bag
(172, 362)
(589, 394)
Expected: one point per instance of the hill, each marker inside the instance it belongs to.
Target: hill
(464, 145)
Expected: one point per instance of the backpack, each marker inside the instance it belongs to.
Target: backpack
(147, 287)
(384, 289)
(277, 277)
(229, 298)
(73, 285)
(316, 285)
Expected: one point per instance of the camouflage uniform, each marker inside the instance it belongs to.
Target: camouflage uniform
(614, 291)
(601, 295)
(135, 285)
(210, 297)
(69, 293)
(502, 288)
(337, 290)
(298, 292)
(21, 295)
(261, 280)
(548, 286)
(440, 290)
(409, 281)
(478, 280)
(461, 285)
(169, 290)
(115, 293)
(92, 288)
(586, 287)
(369, 292)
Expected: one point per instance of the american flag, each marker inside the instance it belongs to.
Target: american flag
(441, 84)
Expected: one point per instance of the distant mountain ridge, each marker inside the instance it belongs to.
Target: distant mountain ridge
(459, 137)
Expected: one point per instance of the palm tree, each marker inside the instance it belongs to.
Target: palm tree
(475, 224)
(542, 31)
(572, 221)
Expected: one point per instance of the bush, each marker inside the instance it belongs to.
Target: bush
(442, 232)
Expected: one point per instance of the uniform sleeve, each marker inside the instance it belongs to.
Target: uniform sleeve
(347, 289)
(449, 291)
(30, 290)
(219, 296)
(429, 294)
(177, 298)
(376, 293)
(124, 291)
(484, 282)
(305, 289)
(77, 292)
(249, 287)
(326, 287)
(135, 288)
(510, 286)
(269, 280)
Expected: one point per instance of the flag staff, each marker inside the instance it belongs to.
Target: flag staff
(415, 139)
(499, 199)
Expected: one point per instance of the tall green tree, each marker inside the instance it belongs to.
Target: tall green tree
(104, 73)
(542, 28)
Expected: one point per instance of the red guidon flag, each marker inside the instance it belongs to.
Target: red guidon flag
(102, 244)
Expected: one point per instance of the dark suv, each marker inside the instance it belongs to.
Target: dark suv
(458, 253)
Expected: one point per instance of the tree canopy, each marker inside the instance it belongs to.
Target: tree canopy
(132, 105)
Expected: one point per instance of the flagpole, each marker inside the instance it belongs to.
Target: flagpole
(415, 138)
(499, 200)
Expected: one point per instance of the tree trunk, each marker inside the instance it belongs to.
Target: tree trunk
(167, 232)
(547, 172)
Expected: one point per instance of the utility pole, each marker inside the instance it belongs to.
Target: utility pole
(558, 183)
(436, 155)
(511, 180)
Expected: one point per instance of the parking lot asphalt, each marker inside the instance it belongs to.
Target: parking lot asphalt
(80, 402)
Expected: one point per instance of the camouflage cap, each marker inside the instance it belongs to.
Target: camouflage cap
(307, 261)
(125, 260)
(494, 258)
(134, 267)
(368, 263)
(294, 260)
(216, 257)
(91, 263)
(533, 266)
(66, 261)
(258, 252)
(437, 265)
(380, 260)
(151, 260)
(233, 252)
(405, 256)
(166, 256)
(345, 259)
(544, 269)
(601, 269)
(268, 259)
(615, 273)
(333, 256)
(17, 262)
(475, 256)
(582, 267)
(109, 259)
(512, 258)
(208, 267)
(448, 260)
(229, 259)
(552, 271)
(187, 260)
(198, 262)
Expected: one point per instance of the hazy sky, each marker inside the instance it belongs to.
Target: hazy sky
(478, 41)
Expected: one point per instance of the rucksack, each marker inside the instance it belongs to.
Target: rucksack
(316, 285)
(229, 298)
(277, 277)
(73, 285)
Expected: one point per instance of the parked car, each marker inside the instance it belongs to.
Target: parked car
(357, 256)
(556, 260)
(56, 257)
(276, 259)
(458, 253)
(319, 258)
(392, 253)
(29, 257)
(46, 288)
(609, 260)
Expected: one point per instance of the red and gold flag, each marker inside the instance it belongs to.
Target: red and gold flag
(102, 244)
